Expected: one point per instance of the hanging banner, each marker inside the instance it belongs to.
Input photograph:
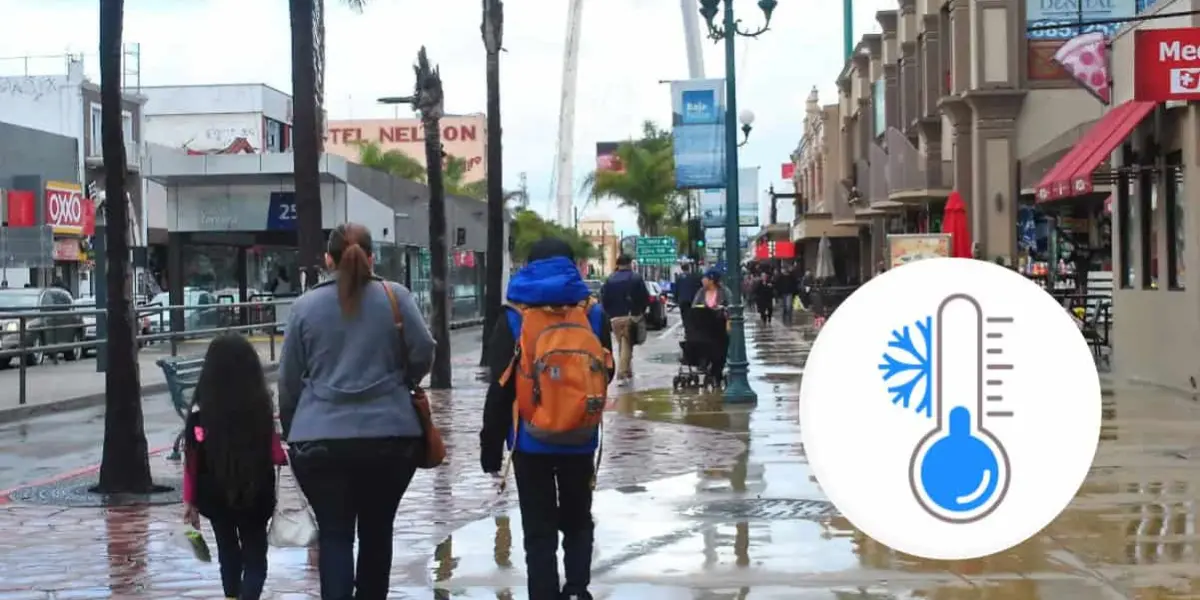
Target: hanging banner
(698, 132)
(712, 202)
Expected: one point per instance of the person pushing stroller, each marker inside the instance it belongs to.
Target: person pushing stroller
(706, 333)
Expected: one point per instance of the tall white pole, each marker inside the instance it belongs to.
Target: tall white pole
(563, 172)
(691, 35)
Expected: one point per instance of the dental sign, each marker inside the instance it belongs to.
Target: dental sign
(950, 409)
(1059, 19)
(64, 207)
(1166, 64)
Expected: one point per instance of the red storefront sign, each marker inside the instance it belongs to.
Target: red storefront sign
(787, 171)
(782, 249)
(89, 217)
(22, 208)
(464, 259)
(1166, 64)
(64, 207)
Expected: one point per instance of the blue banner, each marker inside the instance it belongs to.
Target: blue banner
(281, 214)
(698, 131)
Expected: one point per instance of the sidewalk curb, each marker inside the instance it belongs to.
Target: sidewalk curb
(18, 413)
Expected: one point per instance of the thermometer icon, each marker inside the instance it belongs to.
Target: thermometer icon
(959, 472)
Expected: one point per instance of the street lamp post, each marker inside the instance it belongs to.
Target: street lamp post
(427, 101)
(738, 387)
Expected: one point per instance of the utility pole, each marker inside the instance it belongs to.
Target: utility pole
(427, 100)
(493, 35)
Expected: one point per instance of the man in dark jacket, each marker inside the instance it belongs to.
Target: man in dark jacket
(554, 483)
(625, 298)
(686, 288)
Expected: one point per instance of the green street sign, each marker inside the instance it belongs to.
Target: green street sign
(657, 251)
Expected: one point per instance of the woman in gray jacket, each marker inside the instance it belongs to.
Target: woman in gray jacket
(347, 414)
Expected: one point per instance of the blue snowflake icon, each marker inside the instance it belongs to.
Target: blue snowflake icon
(911, 366)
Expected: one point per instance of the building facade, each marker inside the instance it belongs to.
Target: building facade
(602, 233)
(68, 105)
(207, 118)
(463, 137)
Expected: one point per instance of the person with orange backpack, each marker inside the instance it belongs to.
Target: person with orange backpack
(551, 362)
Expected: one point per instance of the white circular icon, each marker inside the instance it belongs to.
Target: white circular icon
(950, 408)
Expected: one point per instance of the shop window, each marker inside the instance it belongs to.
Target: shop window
(1176, 223)
(1147, 205)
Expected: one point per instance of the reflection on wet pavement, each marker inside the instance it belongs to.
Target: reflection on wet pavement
(699, 501)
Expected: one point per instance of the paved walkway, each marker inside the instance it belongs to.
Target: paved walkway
(699, 501)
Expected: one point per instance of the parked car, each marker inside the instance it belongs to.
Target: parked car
(202, 311)
(656, 311)
(51, 321)
(594, 286)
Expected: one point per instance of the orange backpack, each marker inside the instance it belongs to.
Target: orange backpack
(561, 372)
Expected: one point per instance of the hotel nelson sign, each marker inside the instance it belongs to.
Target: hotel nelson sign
(464, 137)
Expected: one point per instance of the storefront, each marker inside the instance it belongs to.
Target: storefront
(72, 218)
(1156, 330)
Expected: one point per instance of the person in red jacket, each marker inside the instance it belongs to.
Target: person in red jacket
(231, 454)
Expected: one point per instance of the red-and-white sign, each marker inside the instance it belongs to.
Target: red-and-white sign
(1166, 64)
(787, 171)
(64, 207)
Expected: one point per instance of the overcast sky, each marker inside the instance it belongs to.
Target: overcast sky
(627, 47)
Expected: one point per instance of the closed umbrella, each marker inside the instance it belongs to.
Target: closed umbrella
(954, 222)
(824, 259)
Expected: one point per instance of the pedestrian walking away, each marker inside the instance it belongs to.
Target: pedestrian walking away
(553, 434)
(354, 435)
(787, 288)
(625, 298)
(230, 460)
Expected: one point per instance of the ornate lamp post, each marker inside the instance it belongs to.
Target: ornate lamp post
(738, 388)
(427, 101)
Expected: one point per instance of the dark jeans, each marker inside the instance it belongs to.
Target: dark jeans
(242, 552)
(354, 486)
(555, 494)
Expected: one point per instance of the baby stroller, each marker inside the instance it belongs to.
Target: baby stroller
(702, 356)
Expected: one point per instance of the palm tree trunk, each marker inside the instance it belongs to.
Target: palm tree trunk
(308, 130)
(493, 295)
(125, 464)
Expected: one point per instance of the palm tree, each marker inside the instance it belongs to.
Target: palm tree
(394, 162)
(647, 182)
(455, 173)
(308, 89)
(125, 464)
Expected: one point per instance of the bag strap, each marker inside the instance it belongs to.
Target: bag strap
(398, 321)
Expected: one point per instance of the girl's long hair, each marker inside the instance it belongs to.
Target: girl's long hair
(238, 417)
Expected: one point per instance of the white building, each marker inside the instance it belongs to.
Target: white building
(207, 118)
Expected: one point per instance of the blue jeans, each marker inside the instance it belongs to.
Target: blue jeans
(242, 552)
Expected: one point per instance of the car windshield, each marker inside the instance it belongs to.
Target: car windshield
(593, 285)
(19, 299)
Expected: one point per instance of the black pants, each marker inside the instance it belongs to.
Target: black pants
(555, 494)
(242, 553)
(766, 309)
(354, 486)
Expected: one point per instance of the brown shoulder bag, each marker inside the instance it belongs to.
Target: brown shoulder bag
(434, 451)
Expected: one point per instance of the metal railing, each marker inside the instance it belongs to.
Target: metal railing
(30, 335)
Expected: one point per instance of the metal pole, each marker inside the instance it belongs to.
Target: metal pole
(493, 30)
(848, 27)
(738, 388)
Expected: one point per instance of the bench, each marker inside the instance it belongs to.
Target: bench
(182, 373)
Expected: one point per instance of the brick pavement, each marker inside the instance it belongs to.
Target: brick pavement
(57, 553)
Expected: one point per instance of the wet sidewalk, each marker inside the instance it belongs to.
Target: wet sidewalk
(698, 500)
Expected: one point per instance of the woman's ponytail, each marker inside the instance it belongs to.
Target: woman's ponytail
(349, 247)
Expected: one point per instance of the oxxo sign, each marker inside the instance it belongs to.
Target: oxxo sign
(1166, 64)
(64, 207)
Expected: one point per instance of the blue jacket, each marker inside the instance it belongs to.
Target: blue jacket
(549, 282)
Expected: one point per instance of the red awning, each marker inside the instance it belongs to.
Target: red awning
(1072, 175)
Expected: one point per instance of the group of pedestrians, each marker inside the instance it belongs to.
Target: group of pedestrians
(778, 287)
(354, 439)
